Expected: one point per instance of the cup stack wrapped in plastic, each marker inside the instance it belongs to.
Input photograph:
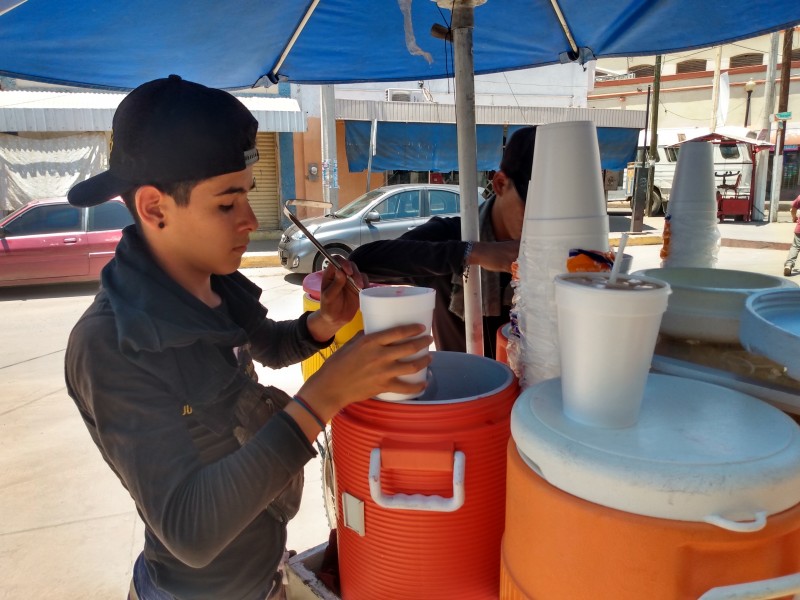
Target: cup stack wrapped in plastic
(691, 234)
(565, 209)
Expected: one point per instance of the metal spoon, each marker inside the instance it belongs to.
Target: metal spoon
(319, 246)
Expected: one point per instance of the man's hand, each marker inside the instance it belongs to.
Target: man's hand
(339, 302)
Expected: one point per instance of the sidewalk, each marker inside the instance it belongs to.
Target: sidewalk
(737, 234)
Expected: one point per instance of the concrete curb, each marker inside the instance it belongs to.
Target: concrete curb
(636, 239)
(252, 260)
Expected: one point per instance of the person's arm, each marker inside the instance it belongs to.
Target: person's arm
(432, 249)
(138, 420)
(793, 210)
(278, 344)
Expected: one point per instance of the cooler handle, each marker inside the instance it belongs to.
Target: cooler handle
(756, 590)
(417, 501)
(757, 524)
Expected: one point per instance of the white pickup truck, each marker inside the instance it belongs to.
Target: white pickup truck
(732, 166)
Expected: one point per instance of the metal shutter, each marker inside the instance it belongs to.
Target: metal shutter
(265, 198)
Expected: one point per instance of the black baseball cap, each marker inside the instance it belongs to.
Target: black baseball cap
(517, 162)
(170, 130)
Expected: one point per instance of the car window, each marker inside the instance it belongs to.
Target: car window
(52, 218)
(443, 202)
(109, 215)
(729, 151)
(402, 205)
(357, 204)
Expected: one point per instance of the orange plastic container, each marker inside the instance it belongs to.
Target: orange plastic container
(395, 538)
(501, 354)
(558, 546)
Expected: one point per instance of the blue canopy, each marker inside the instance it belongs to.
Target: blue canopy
(120, 44)
(433, 146)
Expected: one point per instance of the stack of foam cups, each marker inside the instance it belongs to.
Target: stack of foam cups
(565, 209)
(694, 235)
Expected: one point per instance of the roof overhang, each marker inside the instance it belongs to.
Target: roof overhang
(431, 112)
(35, 111)
(718, 138)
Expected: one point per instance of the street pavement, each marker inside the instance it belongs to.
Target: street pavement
(68, 529)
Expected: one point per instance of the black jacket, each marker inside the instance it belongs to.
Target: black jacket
(167, 389)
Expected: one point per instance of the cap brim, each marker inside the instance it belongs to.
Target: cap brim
(97, 190)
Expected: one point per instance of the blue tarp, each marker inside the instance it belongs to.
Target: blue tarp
(121, 44)
(433, 146)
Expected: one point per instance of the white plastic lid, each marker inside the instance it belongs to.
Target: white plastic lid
(699, 452)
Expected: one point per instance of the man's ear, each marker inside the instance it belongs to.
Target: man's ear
(500, 183)
(150, 206)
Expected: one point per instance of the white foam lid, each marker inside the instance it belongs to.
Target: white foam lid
(699, 452)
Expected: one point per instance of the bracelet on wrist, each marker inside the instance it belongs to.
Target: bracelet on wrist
(307, 407)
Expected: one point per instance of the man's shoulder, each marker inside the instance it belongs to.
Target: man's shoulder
(97, 326)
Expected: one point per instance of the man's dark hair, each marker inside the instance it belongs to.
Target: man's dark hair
(179, 190)
(517, 160)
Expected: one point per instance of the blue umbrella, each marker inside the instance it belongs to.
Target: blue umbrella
(118, 45)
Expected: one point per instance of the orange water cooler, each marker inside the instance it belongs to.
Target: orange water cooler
(703, 492)
(421, 486)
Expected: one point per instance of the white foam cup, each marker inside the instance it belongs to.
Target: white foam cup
(693, 186)
(607, 335)
(388, 306)
(566, 178)
(557, 227)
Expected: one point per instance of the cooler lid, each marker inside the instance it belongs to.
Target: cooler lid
(700, 452)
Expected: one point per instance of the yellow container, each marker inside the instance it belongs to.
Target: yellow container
(312, 364)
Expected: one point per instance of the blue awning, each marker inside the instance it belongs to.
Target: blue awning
(433, 146)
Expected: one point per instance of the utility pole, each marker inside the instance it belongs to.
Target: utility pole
(715, 91)
(762, 164)
(653, 133)
(783, 105)
(640, 177)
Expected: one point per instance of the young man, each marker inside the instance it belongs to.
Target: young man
(160, 364)
(433, 254)
(795, 249)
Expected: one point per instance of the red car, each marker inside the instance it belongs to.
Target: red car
(51, 241)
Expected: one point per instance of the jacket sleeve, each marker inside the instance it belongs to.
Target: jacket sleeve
(195, 508)
(432, 249)
(278, 344)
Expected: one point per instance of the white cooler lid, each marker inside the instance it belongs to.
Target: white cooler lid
(700, 452)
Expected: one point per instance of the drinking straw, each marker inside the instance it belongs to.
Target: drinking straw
(618, 258)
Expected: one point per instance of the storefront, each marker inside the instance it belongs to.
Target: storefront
(71, 130)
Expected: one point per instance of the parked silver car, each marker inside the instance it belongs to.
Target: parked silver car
(384, 213)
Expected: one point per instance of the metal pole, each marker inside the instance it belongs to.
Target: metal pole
(373, 143)
(330, 165)
(762, 164)
(715, 91)
(653, 134)
(462, 25)
(639, 191)
(783, 105)
(747, 109)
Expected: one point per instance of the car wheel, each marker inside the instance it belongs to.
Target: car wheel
(656, 204)
(321, 263)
